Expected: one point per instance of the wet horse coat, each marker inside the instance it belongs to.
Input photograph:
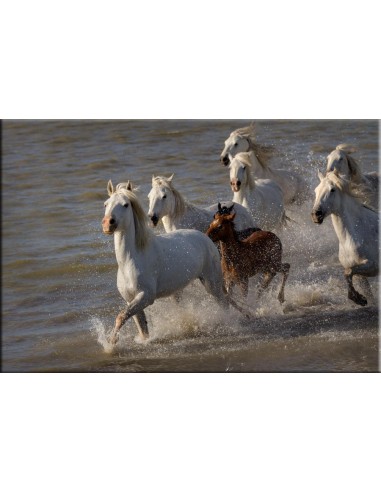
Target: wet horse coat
(261, 252)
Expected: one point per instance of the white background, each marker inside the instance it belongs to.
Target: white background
(200, 59)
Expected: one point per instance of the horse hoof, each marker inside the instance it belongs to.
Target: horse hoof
(359, 299)
(113, 340)
(362, 301)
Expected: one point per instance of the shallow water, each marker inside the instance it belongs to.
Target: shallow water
(59, 271)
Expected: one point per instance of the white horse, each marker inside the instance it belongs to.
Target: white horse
(341, 160)
(166, 203)
(150, 266)
(263, 197)
(356, 227)
(242, 140)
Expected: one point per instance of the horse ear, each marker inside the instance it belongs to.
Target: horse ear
(320, 175)
(219, 207)
(153, 179)
(170, 178)
(336, 172)
(110, 188)
(230, 208)
(129, 185)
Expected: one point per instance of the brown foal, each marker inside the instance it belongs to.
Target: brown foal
(261, 252)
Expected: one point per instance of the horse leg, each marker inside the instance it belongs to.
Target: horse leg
(119, 322)
(362, 283)
(285, 269)
(353, 295)
(266, 279)
(140, 302)
(141, 323)
(216, 288)
(244, 284)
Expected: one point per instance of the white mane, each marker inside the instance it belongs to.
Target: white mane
(261, 152)
(142, 231)
(353, 166)
(357, 192)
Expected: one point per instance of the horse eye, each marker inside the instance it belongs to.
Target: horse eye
(333, 189)
(125, 205)
(164, 196)
(236, 144)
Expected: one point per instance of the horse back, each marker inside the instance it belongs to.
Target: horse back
(263, 247)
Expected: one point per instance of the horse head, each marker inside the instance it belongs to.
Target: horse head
(160, 198)
(238, 173)
(233, 145)
(221, 227)
(325, 194)
(115, 207)
(341, 160)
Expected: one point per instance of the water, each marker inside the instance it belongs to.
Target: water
(59, 293)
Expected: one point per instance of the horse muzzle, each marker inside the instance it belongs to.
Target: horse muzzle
(235, 185)
(317, 216)
(154, 219)
(224, 160)
(109, 225)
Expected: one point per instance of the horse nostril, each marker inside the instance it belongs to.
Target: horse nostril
(112, 221)
(238, 183)
(319, 213)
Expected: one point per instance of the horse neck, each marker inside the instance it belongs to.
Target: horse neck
(229, 246)
(241, 196)
(348, 218)
(189, 218)
(260, 171)
(125, 247)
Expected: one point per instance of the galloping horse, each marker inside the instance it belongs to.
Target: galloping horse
(261, 252)
(150, 266)
(243, 140)
(356, 227)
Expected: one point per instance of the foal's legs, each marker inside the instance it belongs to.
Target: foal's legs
(244, 284)
(266, 279)
(285, 269)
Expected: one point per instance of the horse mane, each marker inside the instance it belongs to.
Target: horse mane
(262, 152)
(353, 166)
(357, 191)
(244, 158)
(180, 202)
(223, 219)
(142, 232)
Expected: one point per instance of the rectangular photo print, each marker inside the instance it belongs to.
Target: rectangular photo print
(190, 246)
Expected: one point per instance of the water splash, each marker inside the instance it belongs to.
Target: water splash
(99, 329)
